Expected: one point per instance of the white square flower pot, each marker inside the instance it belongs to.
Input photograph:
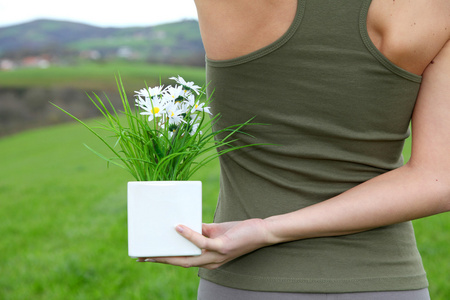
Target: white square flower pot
(154, 209)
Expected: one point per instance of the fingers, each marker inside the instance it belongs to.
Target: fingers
(208, 260)
(212, 245)
(206, 230)
(199, 240)
(216, 229)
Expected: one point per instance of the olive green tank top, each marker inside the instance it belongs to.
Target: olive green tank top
(339, 113)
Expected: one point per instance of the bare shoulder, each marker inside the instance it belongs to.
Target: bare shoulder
(412, 9)
(233, 28)
(418, 17)
(410, 32)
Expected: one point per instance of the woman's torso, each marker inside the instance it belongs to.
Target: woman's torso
(339, 111)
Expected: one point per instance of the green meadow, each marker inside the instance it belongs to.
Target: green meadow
(63, 214)
(98, 76)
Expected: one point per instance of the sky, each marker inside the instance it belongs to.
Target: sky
(97, 12)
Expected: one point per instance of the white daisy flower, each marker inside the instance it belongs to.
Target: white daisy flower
(194, 129)
(154, 108)
(188, 86)
(198, 106)
(173, 94)
(151, 92)
(174, 113)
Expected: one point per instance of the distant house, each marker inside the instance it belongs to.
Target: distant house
(125, 52)
(91, 54)
(35, 62)
(7, 64)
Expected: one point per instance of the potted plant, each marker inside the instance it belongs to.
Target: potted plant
(162, 141)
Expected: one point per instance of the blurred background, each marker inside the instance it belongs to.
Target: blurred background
(62, 209)
(55, 52)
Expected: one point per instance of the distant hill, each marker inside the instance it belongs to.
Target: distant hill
(175, 43)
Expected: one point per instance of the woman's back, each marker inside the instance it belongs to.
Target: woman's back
(409, 33)
(339, 113)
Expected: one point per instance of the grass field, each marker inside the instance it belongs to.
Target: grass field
(98, 76)
(63, 224)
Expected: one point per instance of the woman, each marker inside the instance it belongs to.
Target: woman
(326, 212)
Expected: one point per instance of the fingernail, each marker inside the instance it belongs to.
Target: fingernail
(149, 260)
(179, 229)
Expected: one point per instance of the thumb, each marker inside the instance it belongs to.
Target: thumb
(208, 229)
(197, 239)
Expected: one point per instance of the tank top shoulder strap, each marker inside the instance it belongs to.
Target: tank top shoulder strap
(374, 50)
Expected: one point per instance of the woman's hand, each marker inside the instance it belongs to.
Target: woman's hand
(220, 243)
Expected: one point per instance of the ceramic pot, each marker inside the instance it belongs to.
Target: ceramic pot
(154, 209)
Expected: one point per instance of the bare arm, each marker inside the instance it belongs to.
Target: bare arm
(420, 188)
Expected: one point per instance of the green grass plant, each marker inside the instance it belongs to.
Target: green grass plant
(156, 148)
